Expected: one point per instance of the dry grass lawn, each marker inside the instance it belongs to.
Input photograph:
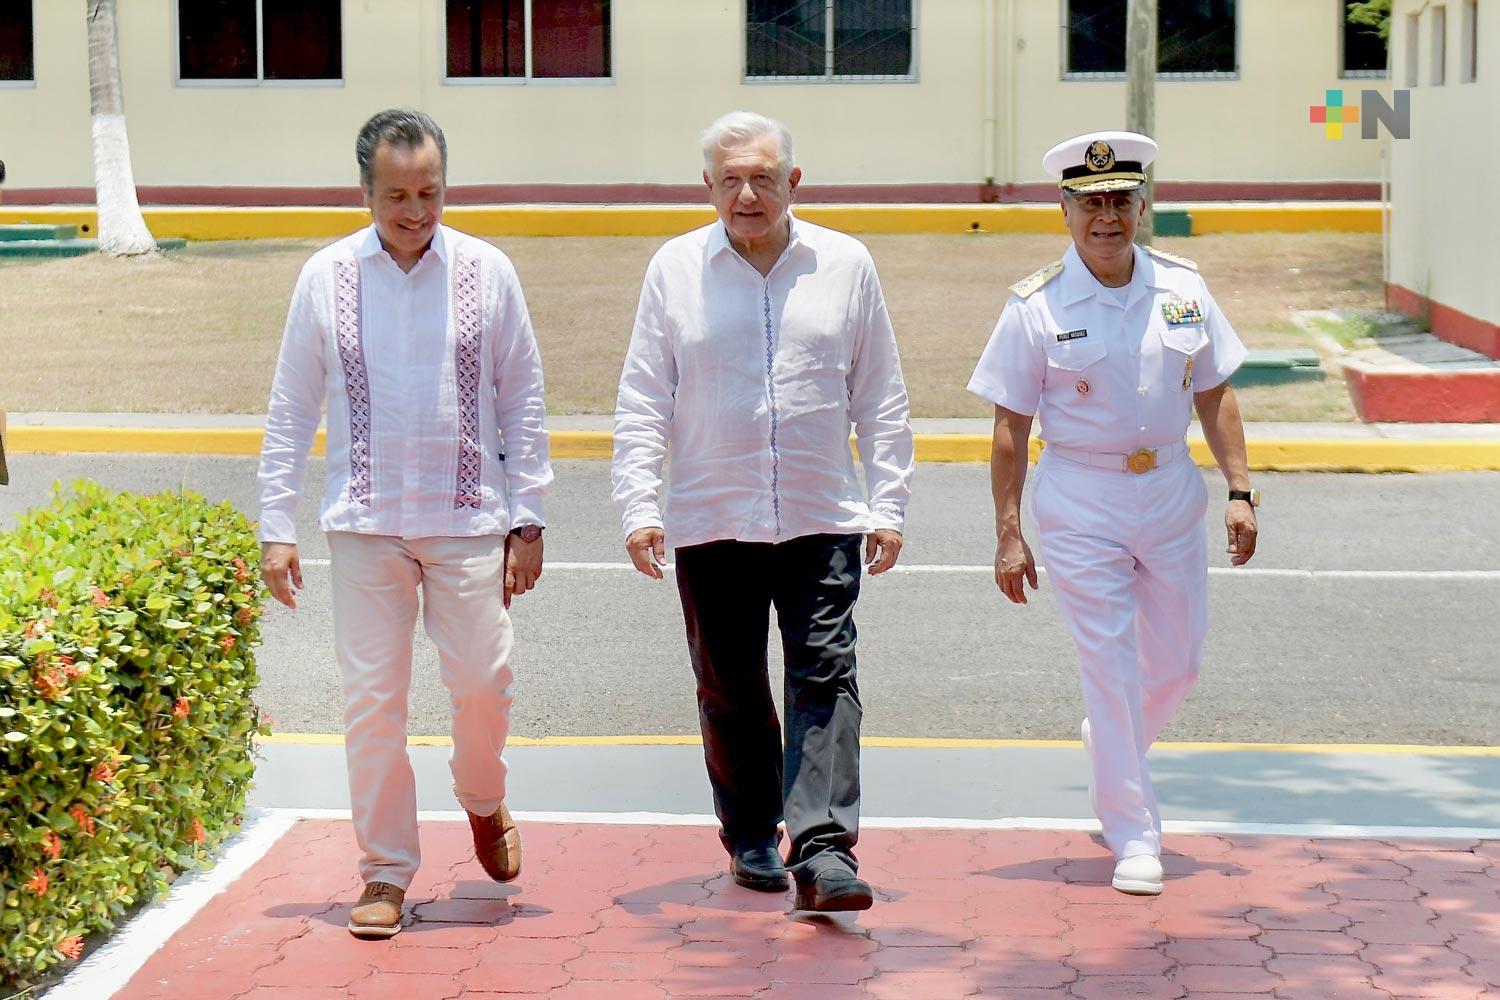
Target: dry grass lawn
(197, 331)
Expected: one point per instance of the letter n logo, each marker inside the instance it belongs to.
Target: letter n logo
(1373, 109)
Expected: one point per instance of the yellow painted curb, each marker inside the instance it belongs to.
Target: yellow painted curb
(934, 743)
(240, 223)
(1274, 455)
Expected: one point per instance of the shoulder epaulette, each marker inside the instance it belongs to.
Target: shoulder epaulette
(1171, 258)
(1037, 279)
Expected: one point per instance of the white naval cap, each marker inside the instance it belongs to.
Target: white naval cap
(1101, 161)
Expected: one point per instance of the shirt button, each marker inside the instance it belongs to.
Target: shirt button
(1143, 428)
(1141, 390)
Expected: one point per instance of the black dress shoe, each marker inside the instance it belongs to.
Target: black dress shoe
(834, 890)
(759, 868)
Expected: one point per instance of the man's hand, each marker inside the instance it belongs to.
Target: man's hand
(1014, 567)
(1239, 518)
(882, 549)
(523, 565)
(648, 550)
(281, 568)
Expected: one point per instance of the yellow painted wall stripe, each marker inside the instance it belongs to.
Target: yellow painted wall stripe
(239, 223)
(936, 743)
(1280, 455)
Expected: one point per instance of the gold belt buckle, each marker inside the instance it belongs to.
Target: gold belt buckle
(1141, 460)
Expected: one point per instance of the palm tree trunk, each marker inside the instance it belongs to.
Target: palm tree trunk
(122, 230)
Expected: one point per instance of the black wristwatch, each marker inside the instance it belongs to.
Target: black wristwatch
(528, 532)
(1250, 496)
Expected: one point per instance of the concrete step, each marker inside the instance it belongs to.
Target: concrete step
(29, 231)
(68, 247)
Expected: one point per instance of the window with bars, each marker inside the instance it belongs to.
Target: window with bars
(251, 41)
(1194, 38)
(17, 53)
(1363, 52)
(528, 39)
(829, 39)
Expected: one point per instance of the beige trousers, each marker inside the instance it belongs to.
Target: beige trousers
(375, 583)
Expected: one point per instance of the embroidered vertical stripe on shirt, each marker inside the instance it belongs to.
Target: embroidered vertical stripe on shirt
(356, 376)
(466, 373)
(775, 415)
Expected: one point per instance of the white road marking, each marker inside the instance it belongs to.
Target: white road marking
(1466, 575)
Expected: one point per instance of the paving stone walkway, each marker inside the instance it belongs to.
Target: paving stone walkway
(626, 912)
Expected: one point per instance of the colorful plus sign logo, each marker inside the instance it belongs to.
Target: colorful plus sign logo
(1333, 115)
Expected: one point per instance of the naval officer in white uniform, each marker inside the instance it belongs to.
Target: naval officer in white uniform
(1114, 346)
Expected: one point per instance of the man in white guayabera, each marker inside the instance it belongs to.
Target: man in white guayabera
(418, 338)
(760, 340)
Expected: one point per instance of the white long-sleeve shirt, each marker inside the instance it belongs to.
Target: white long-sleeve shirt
(434, 390)
(752, 383)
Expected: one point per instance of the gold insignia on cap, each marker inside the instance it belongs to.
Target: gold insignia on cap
(1100, 157)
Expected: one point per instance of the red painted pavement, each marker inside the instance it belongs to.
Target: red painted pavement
(626, 912)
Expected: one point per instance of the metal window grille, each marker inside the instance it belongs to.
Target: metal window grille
(829, 39)
(1196, 39)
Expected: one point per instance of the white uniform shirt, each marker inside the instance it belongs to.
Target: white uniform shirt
(751, 383)
(434, 391)
(1106, 374)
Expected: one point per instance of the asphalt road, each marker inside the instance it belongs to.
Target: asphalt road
(1380, 642)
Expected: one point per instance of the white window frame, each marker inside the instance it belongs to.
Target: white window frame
(1358, 74)
(1438, 71)
(26, 84)
(528, 80)
(1413, 49)
(829, 76)
(1468, 42)
(1067, 74)
(260, 55)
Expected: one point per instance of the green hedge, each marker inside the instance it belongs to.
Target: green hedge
(126, 712)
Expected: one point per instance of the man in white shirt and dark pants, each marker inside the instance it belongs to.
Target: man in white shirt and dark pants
(759, 341)
(418, 338)
(1114, 346)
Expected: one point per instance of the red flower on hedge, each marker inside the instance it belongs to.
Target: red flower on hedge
(245, 616)
(38, 628)
(85, 821)
(49, 681)
(52, 845)
(99, 597)
(71, 947)
(103, 772)
(196, 834)
(183, 552)
(181, 707)
(241, 571)
(227, 642)
(48, 597)
(70, 669)
(38, 883)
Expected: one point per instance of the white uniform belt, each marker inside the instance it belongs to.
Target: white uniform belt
(1138, 461)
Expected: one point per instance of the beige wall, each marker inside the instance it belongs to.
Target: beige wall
(1441, 244)
(677, 65)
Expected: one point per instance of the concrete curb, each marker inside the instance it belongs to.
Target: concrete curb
(1287, 454)
(237, 223)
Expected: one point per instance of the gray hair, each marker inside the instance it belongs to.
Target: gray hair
(398, 126)
(740, 127)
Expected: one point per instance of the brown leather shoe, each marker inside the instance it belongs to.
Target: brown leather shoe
(497, 844)
(378, 912)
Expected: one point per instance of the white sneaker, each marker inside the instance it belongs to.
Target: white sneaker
(1088, 748)
(1138, 875)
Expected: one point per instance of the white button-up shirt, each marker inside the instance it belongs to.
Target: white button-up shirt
(434, 390)
(1109, 370)
(752, 384)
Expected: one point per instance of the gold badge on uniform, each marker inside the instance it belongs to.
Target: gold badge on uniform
(1187, 375)
(1100, 157)
(1082, 387)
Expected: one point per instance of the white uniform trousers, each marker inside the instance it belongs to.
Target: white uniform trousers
(375, 583)
(1127, 557)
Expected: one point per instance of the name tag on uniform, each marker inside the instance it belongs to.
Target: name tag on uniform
(1178, 311)
(1072, 335)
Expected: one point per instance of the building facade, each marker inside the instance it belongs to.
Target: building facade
(1442, 261)
(257, 101)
